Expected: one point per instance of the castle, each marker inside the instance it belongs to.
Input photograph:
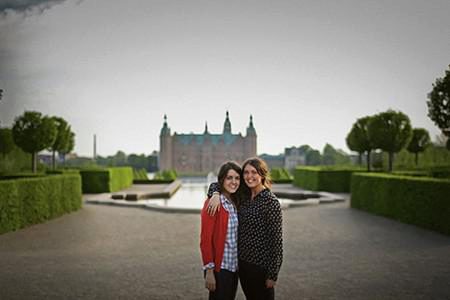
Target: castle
(206, 152)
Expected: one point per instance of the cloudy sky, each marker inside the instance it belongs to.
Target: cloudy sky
(305, 70)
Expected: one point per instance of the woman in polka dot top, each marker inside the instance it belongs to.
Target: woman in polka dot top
(260, 242)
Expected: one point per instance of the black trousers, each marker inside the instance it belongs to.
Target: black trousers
(253, 282)
(226, 285)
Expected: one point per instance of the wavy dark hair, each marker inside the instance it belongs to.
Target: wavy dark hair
(262, 169)
(223, 171)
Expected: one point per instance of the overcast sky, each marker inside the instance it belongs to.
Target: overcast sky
(305, 70)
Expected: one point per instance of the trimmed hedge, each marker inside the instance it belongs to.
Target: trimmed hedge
(140, 174)
(166, 175)
(106, 180)
(28, 201)
(19, 175)
(62, 171)
(323, 179)
(415, 200)
(152, 181)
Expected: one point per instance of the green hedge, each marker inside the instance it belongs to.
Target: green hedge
(106, 180)
(152, 181)
(62, 171)
(140, 174)
(435, 172)
(416, 200)
(166, 175)
(323, 179)
(28, 201)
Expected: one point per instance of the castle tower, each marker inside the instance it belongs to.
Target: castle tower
(165, 147)
(227, 125)
(250, 140)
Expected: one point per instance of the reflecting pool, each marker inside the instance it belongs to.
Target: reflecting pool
(191, 194)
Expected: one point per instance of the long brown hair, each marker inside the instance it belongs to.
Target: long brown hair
(223, 171)
(262, 169)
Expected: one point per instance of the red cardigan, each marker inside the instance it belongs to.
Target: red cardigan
(212, 236)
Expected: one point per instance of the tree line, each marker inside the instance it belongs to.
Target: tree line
(33, 132)
(391, 131)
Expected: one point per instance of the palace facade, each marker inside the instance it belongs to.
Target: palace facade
(205, 152)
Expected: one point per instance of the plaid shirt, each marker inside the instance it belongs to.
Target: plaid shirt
(230, 253)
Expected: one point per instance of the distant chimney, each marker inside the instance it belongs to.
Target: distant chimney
(95, 147)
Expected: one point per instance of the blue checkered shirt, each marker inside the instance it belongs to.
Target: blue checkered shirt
(230, 252)
(230, 258)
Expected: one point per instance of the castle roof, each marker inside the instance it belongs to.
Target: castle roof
(200, 139)
(226, 137)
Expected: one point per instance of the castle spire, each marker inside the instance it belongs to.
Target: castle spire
(251, 129)
(206, 127)
(227, 124)
(165, 130)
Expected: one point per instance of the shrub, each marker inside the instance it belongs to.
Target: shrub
(28, 201)
(140, 174)
(166, 175)
(329, 179)
(416, 200)
(106, 180)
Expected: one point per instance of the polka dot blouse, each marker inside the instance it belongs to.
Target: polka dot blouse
(260, 238)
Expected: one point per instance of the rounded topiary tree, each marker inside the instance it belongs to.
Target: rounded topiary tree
(439, 105)
(419, 142)
(358, 139)
(33, 133)
(389, 131)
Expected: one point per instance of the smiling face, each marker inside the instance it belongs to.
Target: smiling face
(231, 182)
(252, 177)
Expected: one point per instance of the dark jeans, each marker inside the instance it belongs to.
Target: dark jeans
(253, 282)
(226, 285)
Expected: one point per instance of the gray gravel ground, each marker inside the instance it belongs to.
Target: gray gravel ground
(331, 252)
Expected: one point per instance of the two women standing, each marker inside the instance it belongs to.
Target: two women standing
(260, 244)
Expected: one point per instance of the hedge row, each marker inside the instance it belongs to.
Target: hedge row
(279, 174)
(152, 181)
(323, 179)
(415, 200)
(166, 175)
(140, 174)
(435, 172)
(28, 201)
(106, 180)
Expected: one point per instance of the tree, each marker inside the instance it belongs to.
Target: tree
(419, 142)
(313, 158)
(6, 141)
(439, 104)
(120, 159)
(33, 133)
(389, 131)
(328, 156)
(62, 138)
(358, 139)
(68, 146)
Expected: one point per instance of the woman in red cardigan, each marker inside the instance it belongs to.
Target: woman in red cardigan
(218, 238)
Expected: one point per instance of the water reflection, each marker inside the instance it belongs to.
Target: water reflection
(192, 194)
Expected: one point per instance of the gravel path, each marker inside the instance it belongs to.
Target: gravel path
(331, 252)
